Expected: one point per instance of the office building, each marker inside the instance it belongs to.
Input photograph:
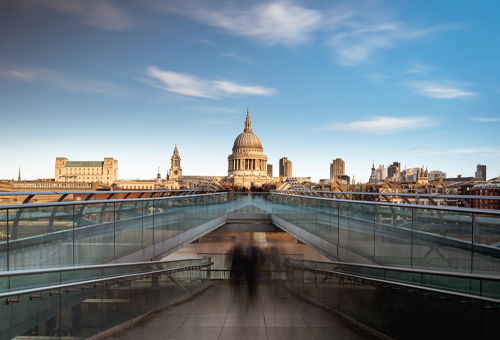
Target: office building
(337, 168)
(285, 167)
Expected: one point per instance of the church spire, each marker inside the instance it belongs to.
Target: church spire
(248, 123)
(175, 171)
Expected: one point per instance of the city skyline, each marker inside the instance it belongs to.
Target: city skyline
(407, 82)
(282, 171)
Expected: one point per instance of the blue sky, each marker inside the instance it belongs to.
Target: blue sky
(409, 81)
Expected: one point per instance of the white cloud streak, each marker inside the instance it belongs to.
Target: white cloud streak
(440, 91)
(354, 32)
(378, 77)
(355, 46)
(237, 57)
(383, 125)
(102, 14)
(477, 150)
(417, 68)
(275, 23)
(55, 78)
(486, 119)
(487, 150)
(193, 86)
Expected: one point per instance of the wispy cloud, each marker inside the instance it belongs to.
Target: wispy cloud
(55, 78)
(418, 68)
(191, 85)
(354, 32)
(420, 148)
(357, 45)
(103, 14)
(383, 125)
(377, 76)
(440, 90)
(237, 57)
(487, 150)
(486, 119)
(206, 42)
(269, 23)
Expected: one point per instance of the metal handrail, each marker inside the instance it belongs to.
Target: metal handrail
(110, 192)
(106, 279)
(396, 283)
(391, 194)
(412, 270)
(65, 203)
(102, 192)
(402, 205)
(85, 267)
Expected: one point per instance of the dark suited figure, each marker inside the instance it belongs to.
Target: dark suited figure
(253, 259)
(237, 265)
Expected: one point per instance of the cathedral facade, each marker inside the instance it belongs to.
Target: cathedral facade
(247, 164)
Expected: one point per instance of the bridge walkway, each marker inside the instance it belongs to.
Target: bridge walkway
(221, 313)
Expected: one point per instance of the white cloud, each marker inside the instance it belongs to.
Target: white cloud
(355, 32)
(206, 42)
(486, 119)
(417, 68)
(17, 74)
(103, 14)
(491, 150)
(52, 77)
(358, 43)
(274, 23)
(441, 91)
(487, 149)
(382, 125)
(190, 85)
(377, 77)
(237, 57)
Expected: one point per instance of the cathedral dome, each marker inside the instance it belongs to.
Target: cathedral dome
(247, 140)
(247, 164)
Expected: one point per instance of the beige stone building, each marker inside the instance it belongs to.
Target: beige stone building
(145, 184)
(247, 165)
(43, 185)
(86, 171)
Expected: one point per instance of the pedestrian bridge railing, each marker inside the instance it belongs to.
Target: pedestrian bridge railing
(389, 234)
(76, 233)
(82, 302)
(402, 304)
(66, 234)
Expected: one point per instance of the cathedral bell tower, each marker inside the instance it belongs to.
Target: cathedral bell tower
(175, 171)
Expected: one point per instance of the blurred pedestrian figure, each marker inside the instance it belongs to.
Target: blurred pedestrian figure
(237, 265)
(253, 260)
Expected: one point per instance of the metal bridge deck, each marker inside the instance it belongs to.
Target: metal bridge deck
(220, 313)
